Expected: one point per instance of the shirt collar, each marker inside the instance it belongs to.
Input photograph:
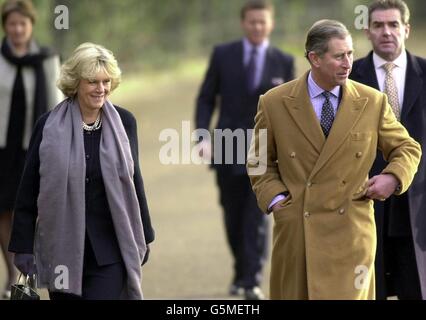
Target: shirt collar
(400, 62)
(315, 90)
(248, 46)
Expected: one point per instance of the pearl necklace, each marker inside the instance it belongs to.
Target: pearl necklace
(94, 126)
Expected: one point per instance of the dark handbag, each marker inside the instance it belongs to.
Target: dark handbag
(26, 290)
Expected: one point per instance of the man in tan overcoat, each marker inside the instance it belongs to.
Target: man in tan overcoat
(315, 141)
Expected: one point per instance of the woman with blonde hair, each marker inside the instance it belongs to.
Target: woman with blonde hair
(81, 217)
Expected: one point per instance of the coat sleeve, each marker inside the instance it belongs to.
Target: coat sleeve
(138, 181)
(206, 100)
(25, 211)
(401, 151)
(262, 165)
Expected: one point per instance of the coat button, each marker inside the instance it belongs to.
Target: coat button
(307, 214)
(293, 155)
(87, 180)
(358, 154)
(309, 184)
(342, 211)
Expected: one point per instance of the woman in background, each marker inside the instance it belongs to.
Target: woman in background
(27, 90)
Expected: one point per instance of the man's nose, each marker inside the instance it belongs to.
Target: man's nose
(258, 26)
(386, 30)
(347, 62)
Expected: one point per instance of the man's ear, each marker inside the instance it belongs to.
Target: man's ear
(367, 33)
(407, 31)
(314, 59)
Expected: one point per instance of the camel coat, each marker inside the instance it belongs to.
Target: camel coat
(324, 237)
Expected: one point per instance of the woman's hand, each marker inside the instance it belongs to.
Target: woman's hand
(25, 263)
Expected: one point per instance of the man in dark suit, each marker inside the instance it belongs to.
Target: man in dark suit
(238, 73)
(401, 221)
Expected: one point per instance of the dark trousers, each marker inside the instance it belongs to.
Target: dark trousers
(402, 277)
(395, 265)
(246, 228)
(99, 282)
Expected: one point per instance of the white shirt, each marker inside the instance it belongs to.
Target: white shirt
(398, 73)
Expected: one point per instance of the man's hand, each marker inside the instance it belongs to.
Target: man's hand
(279, 204)
(205, 148)
(276, 206)
(381, 187)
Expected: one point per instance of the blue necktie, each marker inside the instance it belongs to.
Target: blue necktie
(327, 114)
(251, 71)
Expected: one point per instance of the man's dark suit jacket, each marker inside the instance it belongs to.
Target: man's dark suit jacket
(99, 226)
(226, 78)
(400, 213)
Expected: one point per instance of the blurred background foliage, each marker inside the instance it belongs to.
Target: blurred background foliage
(153, 34)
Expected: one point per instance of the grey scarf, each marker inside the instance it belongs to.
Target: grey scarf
(61, 225)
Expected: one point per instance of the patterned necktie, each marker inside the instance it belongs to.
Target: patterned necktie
(391, 89)
(327, 114)
(251, 71)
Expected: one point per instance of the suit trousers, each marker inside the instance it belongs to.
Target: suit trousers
(396, 265)
(402, 277)
(246, 227)
(104, 282)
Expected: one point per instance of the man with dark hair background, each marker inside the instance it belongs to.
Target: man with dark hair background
(401, 221)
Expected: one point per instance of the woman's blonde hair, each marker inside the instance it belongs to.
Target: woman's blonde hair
(85, 63)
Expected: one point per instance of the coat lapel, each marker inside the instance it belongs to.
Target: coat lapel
(367, 72)
(350, 109)
(413, 85)
(301, 110)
